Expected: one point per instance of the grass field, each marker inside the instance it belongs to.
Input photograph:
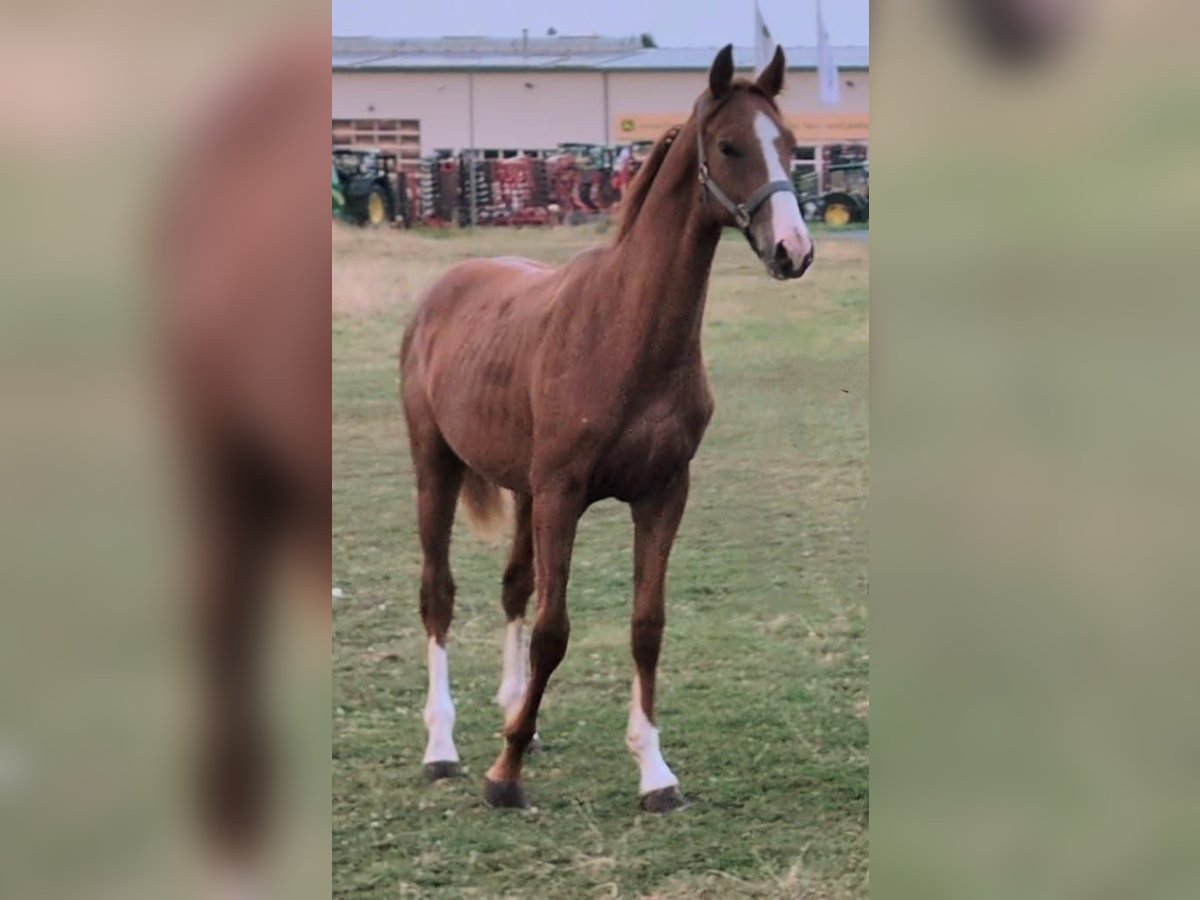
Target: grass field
(763, 681)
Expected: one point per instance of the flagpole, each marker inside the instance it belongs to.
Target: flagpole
(764, 44)
(827, 72)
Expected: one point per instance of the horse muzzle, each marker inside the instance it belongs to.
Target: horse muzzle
(791, 257)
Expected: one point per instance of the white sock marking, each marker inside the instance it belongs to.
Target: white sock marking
(642, 740)
(787, 223)
(514, 672)
(439, 708)
(513, 676)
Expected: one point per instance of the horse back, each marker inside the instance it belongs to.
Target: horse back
(480, 309)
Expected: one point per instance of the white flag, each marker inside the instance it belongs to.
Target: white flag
(827, 73)
(764, 44)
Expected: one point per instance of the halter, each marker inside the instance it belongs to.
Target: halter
(741, 212)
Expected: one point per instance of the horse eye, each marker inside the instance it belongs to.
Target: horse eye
(728, 149)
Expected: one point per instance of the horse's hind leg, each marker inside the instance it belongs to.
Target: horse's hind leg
(555, 517)
(439, 477)
(517, 588)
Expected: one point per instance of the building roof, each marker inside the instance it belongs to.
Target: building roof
(558, 53)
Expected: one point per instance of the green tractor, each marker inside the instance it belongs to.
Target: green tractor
(847, 196)
(339, 198)
(368, 188)
(838, 196)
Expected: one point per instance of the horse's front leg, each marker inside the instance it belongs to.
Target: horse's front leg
(555, 517)
(656, 521)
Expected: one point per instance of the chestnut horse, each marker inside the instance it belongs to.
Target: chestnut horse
(567, 386)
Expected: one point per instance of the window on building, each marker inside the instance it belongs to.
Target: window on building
(804, 170)
(399, 136)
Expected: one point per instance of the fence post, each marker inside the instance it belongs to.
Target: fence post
(471, 184)
(471, 140)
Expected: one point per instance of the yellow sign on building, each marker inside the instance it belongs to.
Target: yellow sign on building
(828, 128)
(644, 127)
(809, 128)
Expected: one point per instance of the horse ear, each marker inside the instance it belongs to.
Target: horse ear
(770, 81)
(720, 76)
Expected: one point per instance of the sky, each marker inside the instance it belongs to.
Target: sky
(674, 23)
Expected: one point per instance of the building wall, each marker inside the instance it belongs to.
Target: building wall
(531, 110)
(438, 99)
(561, 107)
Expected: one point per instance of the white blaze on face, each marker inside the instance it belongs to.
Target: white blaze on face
(439, 707)
(787, 224)
(512, 674)
(642, 740)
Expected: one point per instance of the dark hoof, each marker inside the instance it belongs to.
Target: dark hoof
(436, 771)
(663, 800)
(504, 794)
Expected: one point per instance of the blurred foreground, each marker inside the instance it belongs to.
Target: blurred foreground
(165, 360)
(1033, 438)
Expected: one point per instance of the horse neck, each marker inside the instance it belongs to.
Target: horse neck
(665, 260)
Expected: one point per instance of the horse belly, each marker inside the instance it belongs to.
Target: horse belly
(492, 441)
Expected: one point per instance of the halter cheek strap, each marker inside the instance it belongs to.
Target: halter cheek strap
(741, 212)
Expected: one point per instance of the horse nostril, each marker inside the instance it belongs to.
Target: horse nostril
(808, 260)
(783, 260)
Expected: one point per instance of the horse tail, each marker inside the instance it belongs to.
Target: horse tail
(487, 507)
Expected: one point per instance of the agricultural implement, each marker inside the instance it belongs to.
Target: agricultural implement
(573, 183)
(576, 183)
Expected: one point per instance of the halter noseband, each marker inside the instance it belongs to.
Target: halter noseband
(741, 212)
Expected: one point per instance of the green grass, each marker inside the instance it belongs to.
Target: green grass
(820, 228)
(763, 681)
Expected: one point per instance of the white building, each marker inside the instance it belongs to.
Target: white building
(417, 97)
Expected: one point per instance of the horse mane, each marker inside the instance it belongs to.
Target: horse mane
(642, 182)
